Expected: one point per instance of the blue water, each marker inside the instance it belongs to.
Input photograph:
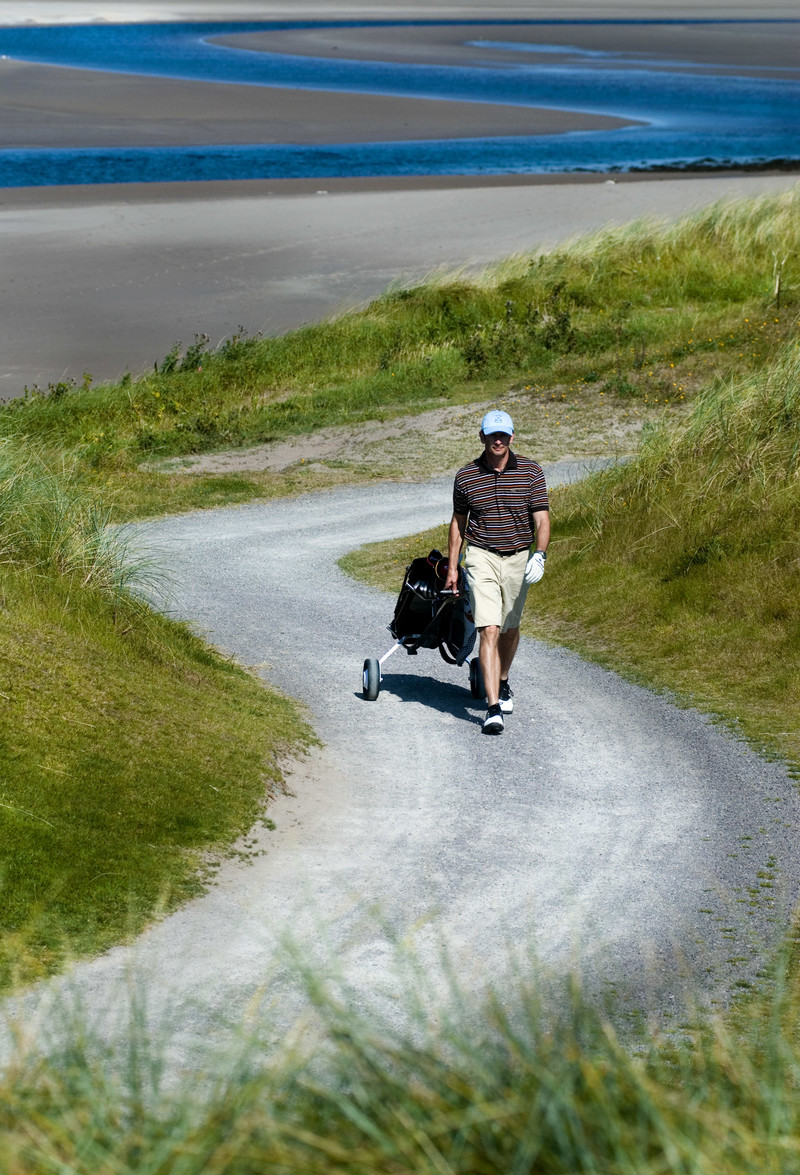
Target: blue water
(688, 117)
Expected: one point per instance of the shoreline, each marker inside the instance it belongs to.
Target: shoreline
(80, 195)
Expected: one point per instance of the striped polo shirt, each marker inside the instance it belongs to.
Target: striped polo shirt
(500, 505)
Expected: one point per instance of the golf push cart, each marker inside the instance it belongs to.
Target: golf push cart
(428, 617)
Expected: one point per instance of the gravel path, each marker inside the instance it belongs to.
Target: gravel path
(605, 827)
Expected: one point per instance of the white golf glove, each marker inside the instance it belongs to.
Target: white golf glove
(534, 568)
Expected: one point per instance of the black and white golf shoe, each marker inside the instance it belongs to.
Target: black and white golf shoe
(493, 722)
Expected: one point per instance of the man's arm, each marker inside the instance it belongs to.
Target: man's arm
(534, 568)
(458, 525)
(541, 520)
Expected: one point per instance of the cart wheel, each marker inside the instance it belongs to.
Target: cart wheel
(371, 677)
(476, 686)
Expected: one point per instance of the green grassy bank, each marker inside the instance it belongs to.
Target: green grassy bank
(131, 754)
(641, 316)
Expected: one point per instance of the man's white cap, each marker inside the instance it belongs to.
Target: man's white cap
(497, 421)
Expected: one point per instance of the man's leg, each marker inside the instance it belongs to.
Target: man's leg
(506, 648)
(490, 661)
(514, 590)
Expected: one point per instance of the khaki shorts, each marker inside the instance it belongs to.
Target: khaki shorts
(497, 587)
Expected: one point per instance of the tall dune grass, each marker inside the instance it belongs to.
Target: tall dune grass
(517, 1086)
(53, 524)
(724, 482)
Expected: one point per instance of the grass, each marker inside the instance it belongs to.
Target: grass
(643, 315)
(131, 754)
(522, 1084)
(681, 568)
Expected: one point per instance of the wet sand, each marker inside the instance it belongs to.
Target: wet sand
(757, 48)
(49, 106)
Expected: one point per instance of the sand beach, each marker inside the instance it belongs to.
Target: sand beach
(106, 278)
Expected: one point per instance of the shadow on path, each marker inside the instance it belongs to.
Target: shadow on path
(443, 696)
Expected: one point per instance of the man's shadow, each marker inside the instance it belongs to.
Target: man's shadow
(447, 697)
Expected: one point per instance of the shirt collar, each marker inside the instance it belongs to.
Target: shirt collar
(511, 464)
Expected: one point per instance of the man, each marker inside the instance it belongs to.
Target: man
(500, 503)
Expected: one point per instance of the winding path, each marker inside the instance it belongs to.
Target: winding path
(606, 827)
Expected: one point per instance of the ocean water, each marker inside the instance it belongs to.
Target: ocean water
(688, 117)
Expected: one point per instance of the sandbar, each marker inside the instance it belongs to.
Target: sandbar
(762, 49)
(52, 106)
